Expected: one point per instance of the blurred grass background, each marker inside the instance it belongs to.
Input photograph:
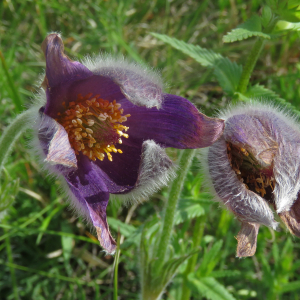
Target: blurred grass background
(46, 252)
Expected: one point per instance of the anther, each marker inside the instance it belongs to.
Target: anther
(88, 130)
(90, 122)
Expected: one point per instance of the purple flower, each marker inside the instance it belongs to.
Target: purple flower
(103, 126)
(255, 166)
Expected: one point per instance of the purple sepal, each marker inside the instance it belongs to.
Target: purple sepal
(59, 68)
(92, 196)
(177, 124)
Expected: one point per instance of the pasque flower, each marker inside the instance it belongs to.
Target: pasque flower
(103, 126)
(255, 166)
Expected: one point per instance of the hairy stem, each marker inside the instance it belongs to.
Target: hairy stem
(197, 236)
(252, 58)
(169, 213)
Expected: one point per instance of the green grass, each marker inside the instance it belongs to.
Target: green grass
(48, 253)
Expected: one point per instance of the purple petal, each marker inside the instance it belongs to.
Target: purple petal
(96, 85)
(92, 196)
(59, 68)
(177, 124)
(247, 238)
(245, 204)
(155, 170)
(138, 171)
(121, 174)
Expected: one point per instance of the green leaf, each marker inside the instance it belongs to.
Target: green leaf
(210, 259)
(153, 280)
(287, 10)
(289, 287)
(228, 73)
(260, 92)
(252, 27)
(46, 222)
(133, 239)
(266, 15)
(188, 209)
(66, 241)
(284, 26)
(125, 229)
(8, 191)
(225, 273)
(209, 288)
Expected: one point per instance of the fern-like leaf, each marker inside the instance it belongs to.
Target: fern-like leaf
(210, 259)
(228, 73)
(188, 209)
(209, 288)
(252, 27)
(261, 93)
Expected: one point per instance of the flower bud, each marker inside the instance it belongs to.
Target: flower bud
(254, 168)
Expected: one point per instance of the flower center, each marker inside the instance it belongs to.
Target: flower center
(251, 173)
(94, 126)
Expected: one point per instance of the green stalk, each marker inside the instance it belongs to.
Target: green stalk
(252, 58)
(16, 97)
(116, 264)
(12, 133)
(197, 236)
(185, 161)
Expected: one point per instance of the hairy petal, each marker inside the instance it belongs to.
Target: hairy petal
(155, 170)
(249, 133)
(139, 85)
(245, 204)
(287, 175)
(272, 140)
(291, 218)
(177, 124)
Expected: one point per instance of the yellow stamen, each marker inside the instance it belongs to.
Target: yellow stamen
(95, 124)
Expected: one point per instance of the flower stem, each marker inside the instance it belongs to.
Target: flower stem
(12, 133)
(198, 230)
(116, 266)
(175, 191)
(252, 58)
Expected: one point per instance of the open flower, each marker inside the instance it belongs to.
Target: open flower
(255, 166)
(103, 127)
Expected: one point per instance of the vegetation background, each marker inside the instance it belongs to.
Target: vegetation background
(46, 252)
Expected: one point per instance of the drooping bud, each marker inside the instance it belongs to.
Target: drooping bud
(254, 167)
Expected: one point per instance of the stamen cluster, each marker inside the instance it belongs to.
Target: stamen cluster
(94, 126)
(250, 172)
